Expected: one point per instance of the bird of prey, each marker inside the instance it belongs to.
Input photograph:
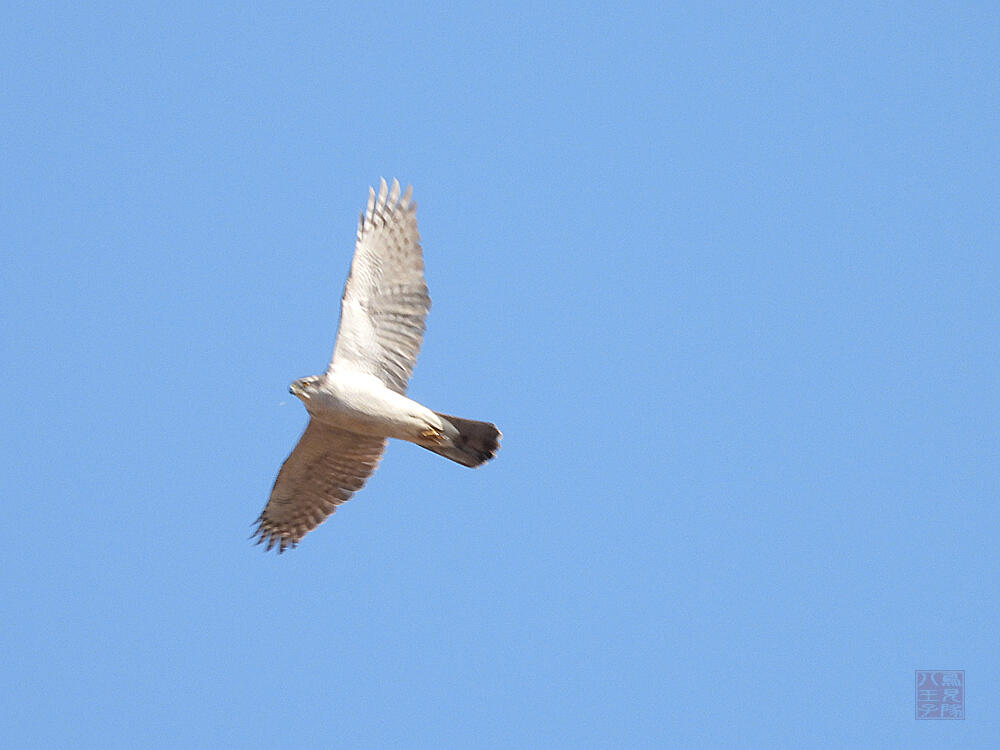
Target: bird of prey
(360, 400)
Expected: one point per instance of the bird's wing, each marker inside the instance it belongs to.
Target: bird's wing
(385, 298)
(326, 467)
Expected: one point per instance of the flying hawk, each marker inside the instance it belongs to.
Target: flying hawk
(360, 400)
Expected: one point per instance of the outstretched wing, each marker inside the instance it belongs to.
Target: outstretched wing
(385, 298)
(326, 467)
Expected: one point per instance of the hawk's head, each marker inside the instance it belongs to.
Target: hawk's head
(303, 388)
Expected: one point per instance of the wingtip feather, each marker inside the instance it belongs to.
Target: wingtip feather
(266, 534)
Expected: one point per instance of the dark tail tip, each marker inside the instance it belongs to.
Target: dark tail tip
(477, 442)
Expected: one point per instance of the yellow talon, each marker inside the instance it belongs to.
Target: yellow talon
(432, 434)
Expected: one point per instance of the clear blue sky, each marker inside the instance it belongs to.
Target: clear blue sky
(725, 275)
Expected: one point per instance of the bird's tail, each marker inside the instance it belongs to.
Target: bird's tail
(469, 442)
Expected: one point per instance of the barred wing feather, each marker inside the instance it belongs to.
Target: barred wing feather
(385, 298)
(326, 467)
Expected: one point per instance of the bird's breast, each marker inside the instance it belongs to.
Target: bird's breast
(365, 405)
